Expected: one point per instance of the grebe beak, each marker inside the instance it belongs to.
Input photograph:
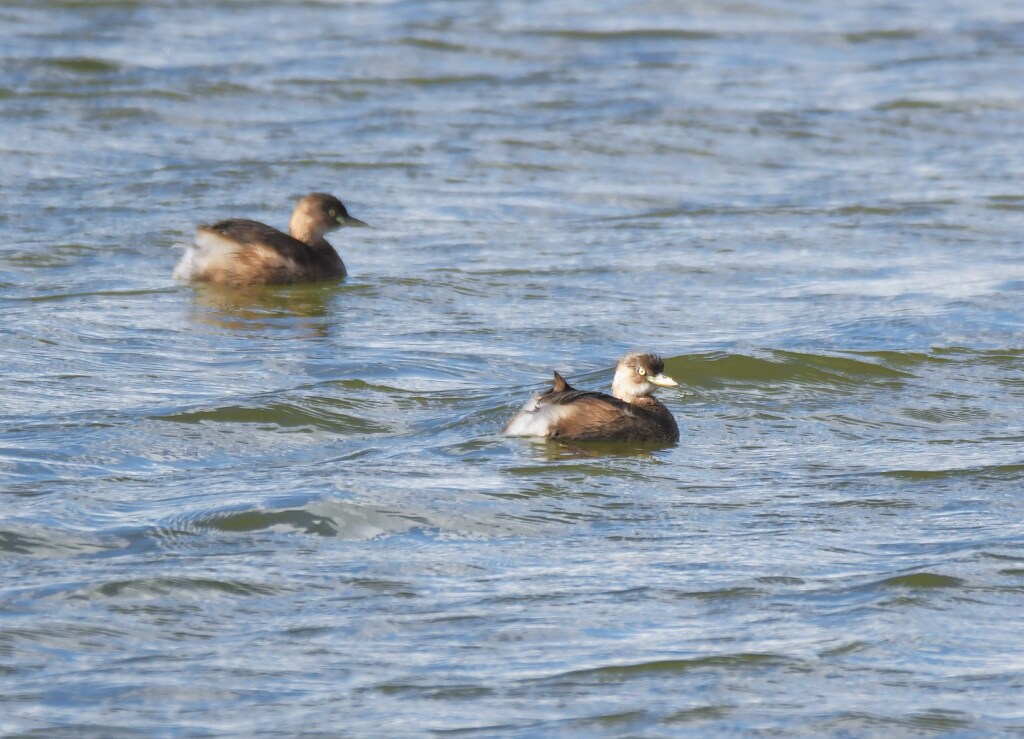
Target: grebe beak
(347, 220)
(662, 380)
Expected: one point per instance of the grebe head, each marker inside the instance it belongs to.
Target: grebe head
(318, 213)
(637, 375)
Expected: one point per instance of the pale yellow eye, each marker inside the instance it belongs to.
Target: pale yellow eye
(641, 371)
(332, 213)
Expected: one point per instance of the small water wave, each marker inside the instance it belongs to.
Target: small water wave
(282, 415)
(35, 540)
(633, 34)
(1006, 202)
(747, 663)
(351, 521)
(784, 367)
(83, 65)
(174, 588)
(928, 722)
(1006, 472)
(922, 581)
(89, 294)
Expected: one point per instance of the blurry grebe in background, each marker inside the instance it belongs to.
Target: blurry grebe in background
(243, 252)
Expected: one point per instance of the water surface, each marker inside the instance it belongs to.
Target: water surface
(291, 510)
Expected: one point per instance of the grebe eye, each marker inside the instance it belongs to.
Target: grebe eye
(641, 371)
(332, 213)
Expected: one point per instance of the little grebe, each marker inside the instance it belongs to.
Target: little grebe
(630, 413)
(243, 252)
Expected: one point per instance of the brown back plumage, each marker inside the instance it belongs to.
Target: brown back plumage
(264, 255)
(253, 233)
(590, 415)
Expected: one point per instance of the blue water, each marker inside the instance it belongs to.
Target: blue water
(290, 511)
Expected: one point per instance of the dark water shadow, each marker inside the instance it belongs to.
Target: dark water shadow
(259, 308)
(552, 450)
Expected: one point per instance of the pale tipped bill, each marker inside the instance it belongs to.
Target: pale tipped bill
(662, 380)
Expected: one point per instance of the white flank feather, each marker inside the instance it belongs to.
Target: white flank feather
(535, 419)
(208, 249)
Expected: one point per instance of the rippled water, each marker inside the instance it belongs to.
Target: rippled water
(291, 510)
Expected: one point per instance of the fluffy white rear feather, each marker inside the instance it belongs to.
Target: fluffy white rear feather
(209, 249)
(535, 419)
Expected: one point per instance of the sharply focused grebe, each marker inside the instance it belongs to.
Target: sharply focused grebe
(630, 413)
(243, 252)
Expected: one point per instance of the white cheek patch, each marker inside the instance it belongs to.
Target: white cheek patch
(625, 386)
